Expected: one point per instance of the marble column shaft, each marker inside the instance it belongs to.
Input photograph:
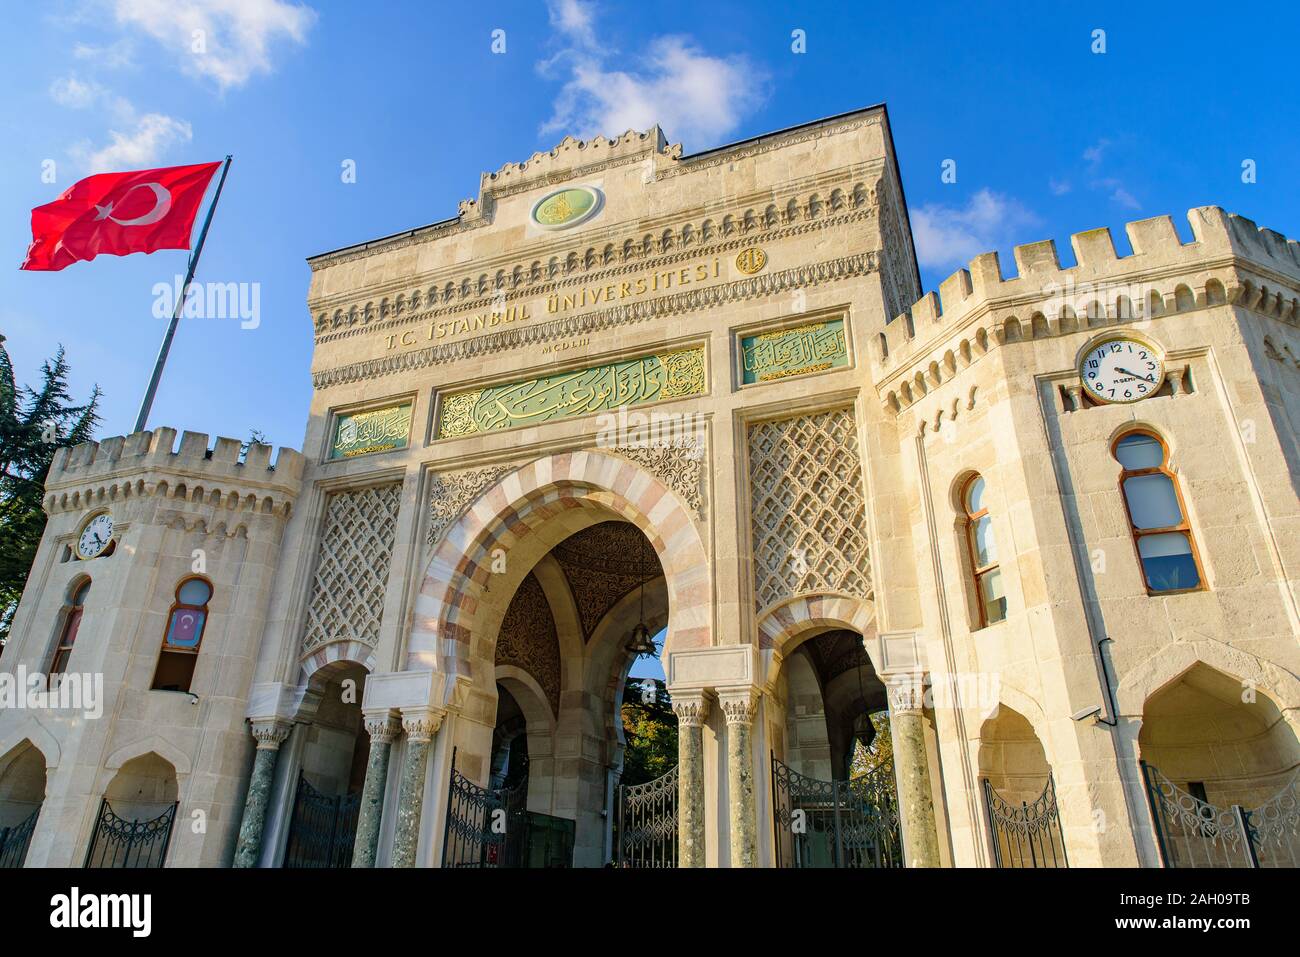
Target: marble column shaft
(420, 727)
(739, 709)
(270, 735)
(691, 712)
(382, 730)
(912, 770)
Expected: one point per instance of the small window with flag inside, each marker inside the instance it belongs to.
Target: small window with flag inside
(183, 636)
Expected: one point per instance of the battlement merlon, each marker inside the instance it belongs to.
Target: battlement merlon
(118, 457)
(1221, 239)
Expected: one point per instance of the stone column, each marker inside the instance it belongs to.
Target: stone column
(912, 770)
(270, 734)
(691, 710)
(382, 729)
(739, 706)
(420, 725)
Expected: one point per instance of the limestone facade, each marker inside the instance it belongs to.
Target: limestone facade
(724, 387)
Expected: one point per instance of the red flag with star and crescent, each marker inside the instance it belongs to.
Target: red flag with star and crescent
(118, 214)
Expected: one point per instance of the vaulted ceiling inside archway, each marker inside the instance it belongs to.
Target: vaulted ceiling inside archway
(604, 563)
(528, 640)
(835, 652)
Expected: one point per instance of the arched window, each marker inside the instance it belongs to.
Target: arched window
(990, 591)
(1156, 515)
(184, 634)
(71, 622)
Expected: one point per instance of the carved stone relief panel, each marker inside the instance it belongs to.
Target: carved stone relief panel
(808, 511)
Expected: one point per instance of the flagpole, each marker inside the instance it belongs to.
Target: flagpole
(163, 350)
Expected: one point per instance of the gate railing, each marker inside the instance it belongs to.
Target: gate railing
(852, 823)
(117, 842)
(486, 827)
(1191, 832)
(15, 840)
(647, 823)
(323, 828)
(1027, 834)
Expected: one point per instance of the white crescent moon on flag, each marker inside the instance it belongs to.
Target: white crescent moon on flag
(162, 203)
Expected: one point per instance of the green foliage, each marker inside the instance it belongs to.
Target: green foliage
(867, 759)
(650, 728)
(34, 424)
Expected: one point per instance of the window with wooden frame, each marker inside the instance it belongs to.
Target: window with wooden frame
(71, 623)
(1157, 518)
(990, 589)
(184, 635)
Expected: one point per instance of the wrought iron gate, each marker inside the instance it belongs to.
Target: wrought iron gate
(117, 842)
(1191, 832)
(486, 827)
(850, 823)
(646, 834)
(323, 828)
(15, 840)
(1027, 834)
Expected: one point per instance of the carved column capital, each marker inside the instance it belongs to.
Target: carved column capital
(739, 705)
(906, 692)
(691, 709)
(421, 724)
(270, 733)
(383, 727)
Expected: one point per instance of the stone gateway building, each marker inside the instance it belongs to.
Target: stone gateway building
(1027, 550)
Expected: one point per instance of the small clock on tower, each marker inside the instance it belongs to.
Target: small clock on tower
(96, 534)
(1121, 367)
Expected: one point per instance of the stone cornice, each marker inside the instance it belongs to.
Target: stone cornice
(770, 218)
(766, 284)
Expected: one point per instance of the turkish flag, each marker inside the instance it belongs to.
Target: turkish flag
(118, 214)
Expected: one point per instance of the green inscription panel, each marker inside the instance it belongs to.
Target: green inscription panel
(597, 389)
(815, 347)
(377, 430)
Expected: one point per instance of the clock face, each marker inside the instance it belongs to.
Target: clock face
(1122, 368)
(95, 536)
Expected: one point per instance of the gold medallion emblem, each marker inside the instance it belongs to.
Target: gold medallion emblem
(751, 260)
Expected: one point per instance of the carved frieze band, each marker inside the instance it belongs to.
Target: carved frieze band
(451, 492)
(704, 297)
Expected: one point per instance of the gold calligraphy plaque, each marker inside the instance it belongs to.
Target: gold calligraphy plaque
(651, 378)
(376, 430)
(814, 347)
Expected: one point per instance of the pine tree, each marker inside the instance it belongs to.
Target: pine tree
(34, 424)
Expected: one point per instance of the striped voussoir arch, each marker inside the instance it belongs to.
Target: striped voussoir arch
(523, 502)
(356, 651)
(791, 621)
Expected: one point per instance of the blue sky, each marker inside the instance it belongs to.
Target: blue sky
(1048, 137)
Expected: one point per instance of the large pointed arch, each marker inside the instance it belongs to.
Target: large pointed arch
(509, 518)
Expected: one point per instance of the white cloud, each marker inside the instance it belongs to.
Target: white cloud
(695, 97)
(223, 40)
(948, 236)
(574, 19)
(74, 93)
(146, 140)
(113, 56)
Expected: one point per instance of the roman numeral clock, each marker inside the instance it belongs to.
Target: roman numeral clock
(1121, 367)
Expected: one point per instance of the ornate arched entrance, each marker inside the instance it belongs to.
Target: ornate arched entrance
(537, 574)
